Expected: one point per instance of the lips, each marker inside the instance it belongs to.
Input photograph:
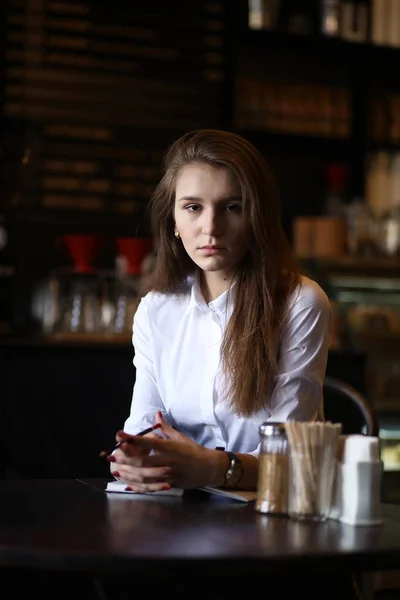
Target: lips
(211, 248)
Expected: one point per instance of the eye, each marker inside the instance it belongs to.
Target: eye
(192, 207)
(233, 208)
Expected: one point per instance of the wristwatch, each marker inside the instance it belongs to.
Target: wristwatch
(234, 472)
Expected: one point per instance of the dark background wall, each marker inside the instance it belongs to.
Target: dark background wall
(90, 99)
(60, 405)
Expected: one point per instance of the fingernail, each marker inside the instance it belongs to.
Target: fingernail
(116, 474)
(166, 487)
(110, 458)
(128, 489)
(167, 471)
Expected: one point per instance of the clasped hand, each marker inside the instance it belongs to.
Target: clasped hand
(176, 461)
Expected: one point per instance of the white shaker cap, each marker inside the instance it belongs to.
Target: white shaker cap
(361, 448)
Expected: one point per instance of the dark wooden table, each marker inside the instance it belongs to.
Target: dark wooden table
(75, 526)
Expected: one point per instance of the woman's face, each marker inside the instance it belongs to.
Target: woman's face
(208, 217)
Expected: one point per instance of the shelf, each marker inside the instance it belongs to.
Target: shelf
(304, 143)
(356, 265)
(318, 44)
(89, 339)
(70, 340)
(384, 145)
(61, 221)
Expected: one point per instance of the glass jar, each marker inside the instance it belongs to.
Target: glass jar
(390, 238)
(273, 470)
(81, 303)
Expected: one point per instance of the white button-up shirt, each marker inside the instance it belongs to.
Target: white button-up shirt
(177, 341)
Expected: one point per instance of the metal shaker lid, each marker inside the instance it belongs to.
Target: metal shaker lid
(271, 428)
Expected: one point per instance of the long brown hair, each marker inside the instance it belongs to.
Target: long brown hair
(265, 278)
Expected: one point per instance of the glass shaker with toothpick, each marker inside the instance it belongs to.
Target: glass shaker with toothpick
(313, 448)
(272, 485)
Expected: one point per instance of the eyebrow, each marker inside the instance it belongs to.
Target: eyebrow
(198, 199)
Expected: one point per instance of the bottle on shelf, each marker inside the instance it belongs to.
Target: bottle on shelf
(330, 17)
(390, 232)
(393, 33)
(379, 23)
(385, 22)
(378, 183)
(330, 236)
(394, 180)
(132, 252)
(354, 20)
(361, 225)
(263, 14)
(390, 228)
(383, 200)
(336, 175)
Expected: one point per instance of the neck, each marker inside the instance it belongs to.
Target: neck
(214, 284)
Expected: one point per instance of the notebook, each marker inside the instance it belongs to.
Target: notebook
(241, 496)
(119, 486)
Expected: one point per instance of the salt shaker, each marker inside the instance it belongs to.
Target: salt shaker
(360, 481)
(273, 460)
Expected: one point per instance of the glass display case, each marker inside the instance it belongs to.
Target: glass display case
(365, 296)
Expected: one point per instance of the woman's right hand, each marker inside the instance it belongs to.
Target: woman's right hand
(175, 460)
(119, 453)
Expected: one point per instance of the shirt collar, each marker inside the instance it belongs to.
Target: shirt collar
(218, 305)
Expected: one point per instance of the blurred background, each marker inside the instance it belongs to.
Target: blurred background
(92, 93)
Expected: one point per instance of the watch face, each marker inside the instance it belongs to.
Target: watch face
(235, 471)
(238, 471)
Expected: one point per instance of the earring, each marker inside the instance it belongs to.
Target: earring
(176, 234)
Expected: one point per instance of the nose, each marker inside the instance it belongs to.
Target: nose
(211, 222)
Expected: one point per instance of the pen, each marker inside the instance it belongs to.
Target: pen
(128, 441)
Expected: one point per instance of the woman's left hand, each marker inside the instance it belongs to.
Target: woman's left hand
(176, 461)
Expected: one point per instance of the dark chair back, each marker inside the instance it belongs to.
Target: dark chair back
(344, 404)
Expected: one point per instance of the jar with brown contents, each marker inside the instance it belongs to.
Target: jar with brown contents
(273, 471)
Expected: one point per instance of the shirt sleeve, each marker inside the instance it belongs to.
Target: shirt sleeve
(146, 400)
(302, 358)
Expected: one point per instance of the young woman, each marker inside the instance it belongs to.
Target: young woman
(230, 335)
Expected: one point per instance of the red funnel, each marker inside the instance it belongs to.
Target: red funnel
(337, 175)
(82, 249)
(134, 250)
